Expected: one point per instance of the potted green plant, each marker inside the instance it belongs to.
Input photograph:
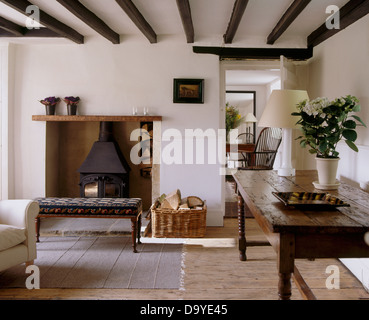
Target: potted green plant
(50, 104)
(233, 119)
(324, 123)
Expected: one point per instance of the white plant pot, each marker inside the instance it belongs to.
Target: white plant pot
(327, 170)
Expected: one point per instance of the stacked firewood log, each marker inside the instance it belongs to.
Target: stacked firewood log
(174, 201)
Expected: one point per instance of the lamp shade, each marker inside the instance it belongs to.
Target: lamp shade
(250, 118)
(277, 112)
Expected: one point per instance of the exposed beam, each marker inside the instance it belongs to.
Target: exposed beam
(6, 34)
(33, 33)
(47, 20)
(88, 17)
(135, 15)
(288, 17)
(256, 53)
(349, 13)
(237, 14)
(185, 12)
(42, 33)
(13, 28)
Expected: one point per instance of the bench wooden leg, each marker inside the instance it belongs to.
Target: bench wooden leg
(134, 230)
(38, 223)
(139, 229)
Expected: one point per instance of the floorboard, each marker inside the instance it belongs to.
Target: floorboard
(212, 271)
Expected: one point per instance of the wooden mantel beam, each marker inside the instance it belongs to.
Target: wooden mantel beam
(137, 18)
(349, 13)
(95, 118)
(47, 20)
(288, 17)
(88, 17)
(186, 16)
(237, 14)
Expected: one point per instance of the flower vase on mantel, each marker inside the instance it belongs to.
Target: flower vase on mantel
(72, 109)
(50, 110)
(72, 103)
(50, 105)
(327, 173)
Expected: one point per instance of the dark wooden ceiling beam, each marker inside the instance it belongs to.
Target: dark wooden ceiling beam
(237, 14)
(186, 16)
(90, 18)
(288, 17)
(349, 13)
(32, 33)
(256, 53)
(135, 15)
(12, 27)
(47, 20)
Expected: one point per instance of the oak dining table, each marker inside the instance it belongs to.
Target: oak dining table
(301, 232)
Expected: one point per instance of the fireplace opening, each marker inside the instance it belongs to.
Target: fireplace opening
(105, 172)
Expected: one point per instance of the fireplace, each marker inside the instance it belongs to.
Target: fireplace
(105, 172)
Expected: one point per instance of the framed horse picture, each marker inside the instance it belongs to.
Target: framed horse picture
(188, 91)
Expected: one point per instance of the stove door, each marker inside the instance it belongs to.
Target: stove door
(103, 186)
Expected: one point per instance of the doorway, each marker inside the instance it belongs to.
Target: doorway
(245, 103)
(247, 86)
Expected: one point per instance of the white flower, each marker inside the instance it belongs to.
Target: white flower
(316, 106)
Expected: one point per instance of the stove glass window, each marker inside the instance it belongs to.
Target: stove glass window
(111, 190)
(91, 190)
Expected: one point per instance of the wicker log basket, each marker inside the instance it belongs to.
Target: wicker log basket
(178, 223)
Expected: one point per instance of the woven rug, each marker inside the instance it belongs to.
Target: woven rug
(103, 262)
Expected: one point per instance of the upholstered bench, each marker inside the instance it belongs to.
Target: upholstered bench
(116, 208)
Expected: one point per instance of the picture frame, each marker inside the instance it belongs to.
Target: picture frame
(188, 91)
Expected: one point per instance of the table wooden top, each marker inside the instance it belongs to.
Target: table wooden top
(256, 188)
(241, 147)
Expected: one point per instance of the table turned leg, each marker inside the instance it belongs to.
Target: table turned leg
(286, 264)
(134, 232)
(284, 286)
(241, 228)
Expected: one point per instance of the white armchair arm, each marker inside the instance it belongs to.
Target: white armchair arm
(21, 214)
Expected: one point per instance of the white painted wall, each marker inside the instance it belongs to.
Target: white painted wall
(6, 116)
(111, 80)
(340, 67)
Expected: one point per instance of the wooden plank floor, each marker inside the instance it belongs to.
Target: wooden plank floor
(212, 271)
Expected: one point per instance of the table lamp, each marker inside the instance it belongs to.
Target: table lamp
(277, 114)
(250, 118)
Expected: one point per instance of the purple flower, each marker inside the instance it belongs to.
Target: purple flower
(71, 100)
(50, 101)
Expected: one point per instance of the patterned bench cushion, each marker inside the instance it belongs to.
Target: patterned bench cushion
(90, 206)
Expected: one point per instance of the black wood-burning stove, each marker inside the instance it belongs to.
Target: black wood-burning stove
(105, 172)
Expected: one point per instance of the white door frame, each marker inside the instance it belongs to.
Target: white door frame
(236, 65)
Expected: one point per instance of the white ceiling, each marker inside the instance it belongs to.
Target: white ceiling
(251, 77)
(210, 20)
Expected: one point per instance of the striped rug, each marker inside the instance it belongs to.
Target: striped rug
(103, 262)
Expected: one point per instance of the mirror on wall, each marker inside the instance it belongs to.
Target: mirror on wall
(245, 102)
